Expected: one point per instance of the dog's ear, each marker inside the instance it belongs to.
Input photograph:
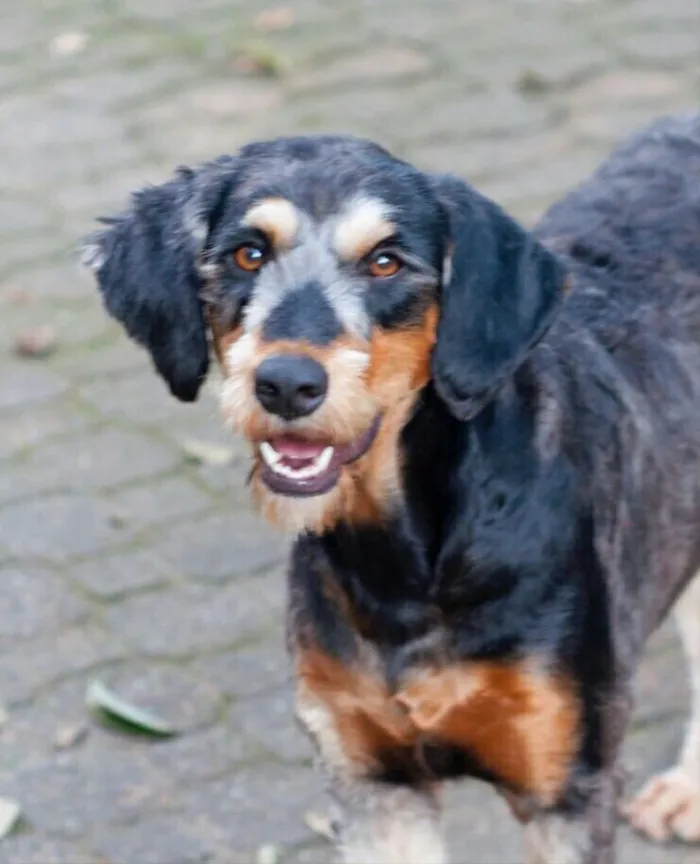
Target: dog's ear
(145, 262)
(499, 294)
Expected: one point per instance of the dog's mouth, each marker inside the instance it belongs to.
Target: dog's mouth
(293, 466)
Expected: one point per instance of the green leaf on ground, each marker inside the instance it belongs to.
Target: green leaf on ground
(10, 811)
(102, 701)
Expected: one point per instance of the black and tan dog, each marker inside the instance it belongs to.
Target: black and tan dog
(487, 442)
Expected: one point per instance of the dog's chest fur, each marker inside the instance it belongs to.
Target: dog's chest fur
(447, 641)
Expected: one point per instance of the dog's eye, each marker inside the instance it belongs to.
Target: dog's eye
(249, 257)
(383, 264)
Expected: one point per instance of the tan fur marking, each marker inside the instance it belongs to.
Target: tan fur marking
(399, 369)
(521, 724)
(277, 218)
(365, 718)
(400, 360)
(222, 338)
(362, 227)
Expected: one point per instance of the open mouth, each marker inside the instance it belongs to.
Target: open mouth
(292, 466)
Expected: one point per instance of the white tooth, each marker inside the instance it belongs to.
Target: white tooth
(284, 470)
(274, 460)
(269, 454)
(324, 460)
(311, 471)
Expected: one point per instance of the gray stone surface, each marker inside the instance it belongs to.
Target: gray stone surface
(58, 527)
(23, 385)
(252, 670)
(33, 849)
(122, 559)
(189, 618)
(116, 576)
(265, 719)
(223, 546)
(35, 602)
(41, 662)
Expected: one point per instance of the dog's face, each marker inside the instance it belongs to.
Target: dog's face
(321, 287)
(321, 270)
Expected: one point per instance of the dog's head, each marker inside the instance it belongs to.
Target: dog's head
(332, 282)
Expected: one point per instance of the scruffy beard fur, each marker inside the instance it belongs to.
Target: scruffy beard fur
(364, 493)
(379, 379)
(347, 411)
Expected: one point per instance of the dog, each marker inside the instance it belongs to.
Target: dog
(486, 442)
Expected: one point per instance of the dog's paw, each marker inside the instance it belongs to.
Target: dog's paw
(667, 807)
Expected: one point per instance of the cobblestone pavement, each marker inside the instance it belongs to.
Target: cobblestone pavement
(122, 558)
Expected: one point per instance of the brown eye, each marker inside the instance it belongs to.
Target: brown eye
(249, 258)
(384, 264)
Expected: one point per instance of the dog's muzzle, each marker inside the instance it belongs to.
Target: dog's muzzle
(292, 466)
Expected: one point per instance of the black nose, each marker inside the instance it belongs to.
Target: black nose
(290, 386)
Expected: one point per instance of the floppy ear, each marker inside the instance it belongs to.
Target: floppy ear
(501, 290)
(145, 263)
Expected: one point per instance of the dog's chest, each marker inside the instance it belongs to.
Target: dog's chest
(411, 712)
(407, 674)
(515, 724)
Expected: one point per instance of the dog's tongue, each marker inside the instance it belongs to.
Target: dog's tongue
(296, 450)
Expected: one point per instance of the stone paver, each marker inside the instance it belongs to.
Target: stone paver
(120, 558)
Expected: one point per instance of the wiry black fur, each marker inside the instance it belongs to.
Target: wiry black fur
(501, 298)
(149, 282)
(562, 520)
(551, 491)
(492, 558)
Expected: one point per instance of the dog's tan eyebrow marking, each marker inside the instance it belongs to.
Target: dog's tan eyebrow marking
(276, 217)
(362, 227)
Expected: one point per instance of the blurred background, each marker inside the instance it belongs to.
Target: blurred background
(128, 553)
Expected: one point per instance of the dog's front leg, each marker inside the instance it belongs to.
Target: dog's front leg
(387, 824)
(379, 822)
(587, 837)
(561, 840)
(669, 804)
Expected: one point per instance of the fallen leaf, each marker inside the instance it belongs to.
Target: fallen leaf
(69, 43)
(531, 83)
(36, 342)
(260, 61)
(10, 811)
(102, 701)
(68, 736)
(320, 823)
(207, 454)
(280, 18)
(268, 854)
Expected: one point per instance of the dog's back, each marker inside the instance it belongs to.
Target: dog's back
(627, 349)
(634, 228)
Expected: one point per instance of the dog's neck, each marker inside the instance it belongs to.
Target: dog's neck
(476, 501)
(391, 563)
